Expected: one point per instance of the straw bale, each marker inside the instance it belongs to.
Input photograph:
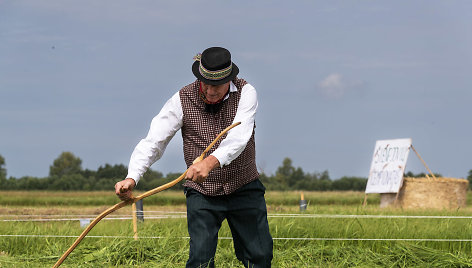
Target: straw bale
(440, 193)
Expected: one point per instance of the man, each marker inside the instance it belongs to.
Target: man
(225, 184)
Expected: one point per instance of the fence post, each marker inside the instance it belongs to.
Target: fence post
(303, 203)
(140, 210)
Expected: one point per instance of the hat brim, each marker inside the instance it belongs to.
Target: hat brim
(231, 76)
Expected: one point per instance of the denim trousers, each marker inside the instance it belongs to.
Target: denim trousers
(246, 213)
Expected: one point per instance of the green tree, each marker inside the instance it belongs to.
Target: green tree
(172, 176)
(324, 176)
(108, 171)
(66, 164)
(68, 182)
(31, 183)
(283, 174)
(315, 182)
(297, 176)
(87, 173)
(101, 184)
(322, 182)
(3, 171)
(350, 183)
(150, 180)
(286, 169)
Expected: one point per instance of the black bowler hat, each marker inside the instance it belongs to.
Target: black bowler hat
(214, 66)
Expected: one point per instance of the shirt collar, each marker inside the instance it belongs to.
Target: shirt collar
(232, 88)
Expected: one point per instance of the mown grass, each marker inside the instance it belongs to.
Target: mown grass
(171, 249)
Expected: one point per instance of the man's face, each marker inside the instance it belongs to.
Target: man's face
(215, 93)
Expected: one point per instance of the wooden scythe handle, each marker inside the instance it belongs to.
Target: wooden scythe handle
(144, 195)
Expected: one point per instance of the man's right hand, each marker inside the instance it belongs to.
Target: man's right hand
(124, 188)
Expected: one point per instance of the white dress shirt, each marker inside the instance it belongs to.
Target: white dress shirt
(170, 120)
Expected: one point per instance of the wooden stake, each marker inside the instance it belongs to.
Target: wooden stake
(135, 221)
(396, 198)
(365, 200)
(426, 166)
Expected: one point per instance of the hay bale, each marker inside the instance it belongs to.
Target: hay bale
(440, 193)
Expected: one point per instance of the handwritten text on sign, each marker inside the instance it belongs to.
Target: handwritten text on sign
(388, 166)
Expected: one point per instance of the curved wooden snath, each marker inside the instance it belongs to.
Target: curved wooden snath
(134, 199)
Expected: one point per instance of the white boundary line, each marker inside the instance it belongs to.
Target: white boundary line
(80, 219)
(182, 215)
(274, 238)
(84, 215)
(366, 216)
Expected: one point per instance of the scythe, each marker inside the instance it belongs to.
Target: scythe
(134, 199)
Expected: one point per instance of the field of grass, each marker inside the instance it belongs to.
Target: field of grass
(314, 238)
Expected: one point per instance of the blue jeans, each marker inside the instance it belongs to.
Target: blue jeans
(246, 213)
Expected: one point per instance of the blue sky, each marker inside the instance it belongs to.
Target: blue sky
(332, 78)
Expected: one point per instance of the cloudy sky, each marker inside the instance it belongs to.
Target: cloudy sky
(332, 78)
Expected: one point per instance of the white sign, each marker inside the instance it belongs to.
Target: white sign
(388, 166)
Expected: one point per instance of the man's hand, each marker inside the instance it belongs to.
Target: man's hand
(199, 171)
(124, 188)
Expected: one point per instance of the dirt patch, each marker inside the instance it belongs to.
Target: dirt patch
(77, 211)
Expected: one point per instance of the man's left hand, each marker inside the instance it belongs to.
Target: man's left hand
(199, 171)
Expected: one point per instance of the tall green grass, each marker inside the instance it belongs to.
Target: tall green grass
(171, 250)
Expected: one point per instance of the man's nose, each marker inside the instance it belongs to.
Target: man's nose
(211, 89)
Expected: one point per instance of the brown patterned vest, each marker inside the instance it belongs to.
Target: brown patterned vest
(200, 128)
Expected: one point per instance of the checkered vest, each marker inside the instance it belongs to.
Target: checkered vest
(200, 128)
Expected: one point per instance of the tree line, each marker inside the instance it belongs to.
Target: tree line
(66, 174)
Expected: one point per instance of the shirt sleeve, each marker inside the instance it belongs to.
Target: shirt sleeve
(236, 140)
(163, 128)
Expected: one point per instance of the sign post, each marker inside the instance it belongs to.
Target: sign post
(388, 166)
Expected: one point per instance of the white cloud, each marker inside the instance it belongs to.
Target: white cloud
(333, 86)
(336, 86)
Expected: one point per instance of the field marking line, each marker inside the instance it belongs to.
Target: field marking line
(180, 215)
(274, 238)
(84, 215)
(78, 219)
(161, 211)
(366, 216)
